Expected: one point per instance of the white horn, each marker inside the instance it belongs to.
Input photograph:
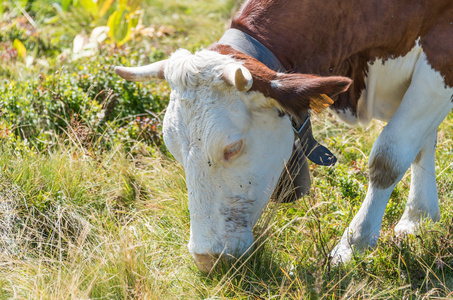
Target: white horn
(238, 76)
(145, 73)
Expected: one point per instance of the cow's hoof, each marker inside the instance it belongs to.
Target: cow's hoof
(342, 253)
(405, 227)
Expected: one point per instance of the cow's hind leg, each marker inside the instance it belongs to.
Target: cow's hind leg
(425, 104)
(423, 200)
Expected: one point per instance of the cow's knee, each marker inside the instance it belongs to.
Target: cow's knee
(384, 168)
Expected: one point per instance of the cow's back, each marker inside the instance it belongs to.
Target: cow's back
(342, 37)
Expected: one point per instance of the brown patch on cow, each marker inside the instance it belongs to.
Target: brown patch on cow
(419, 157)
(340, 37)
(438, 41)
(383, 171)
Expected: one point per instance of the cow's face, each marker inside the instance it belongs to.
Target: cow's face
(233, 143)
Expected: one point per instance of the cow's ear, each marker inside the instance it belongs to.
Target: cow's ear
(298, 92)
(295, 93)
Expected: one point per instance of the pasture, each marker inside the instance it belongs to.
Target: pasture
(92, 205)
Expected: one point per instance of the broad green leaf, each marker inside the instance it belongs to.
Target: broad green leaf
(105, 7)
(132, 21)
(65, 4)
(114, 23)
(21, 51)
(121, 23)
(90, 6)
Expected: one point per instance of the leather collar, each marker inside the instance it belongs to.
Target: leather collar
(247, 44)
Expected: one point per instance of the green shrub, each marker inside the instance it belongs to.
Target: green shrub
(87, 102)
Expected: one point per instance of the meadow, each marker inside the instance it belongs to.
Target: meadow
(92, 205)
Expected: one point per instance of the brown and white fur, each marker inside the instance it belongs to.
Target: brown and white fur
(223, 122)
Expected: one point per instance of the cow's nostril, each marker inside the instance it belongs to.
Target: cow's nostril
(204, 262)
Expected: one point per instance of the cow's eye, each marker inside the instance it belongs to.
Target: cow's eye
(232, 150)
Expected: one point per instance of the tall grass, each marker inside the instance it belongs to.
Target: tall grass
(86, 227)
(113, 226)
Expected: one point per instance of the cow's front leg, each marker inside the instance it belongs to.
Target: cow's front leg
(425, 104)
(423, 201)
(388, 162)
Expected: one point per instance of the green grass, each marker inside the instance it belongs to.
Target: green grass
(98, 210)
(114, 226)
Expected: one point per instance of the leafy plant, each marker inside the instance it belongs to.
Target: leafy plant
(89, 94)
(122, 20)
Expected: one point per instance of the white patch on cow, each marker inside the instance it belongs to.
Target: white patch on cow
(276, 84)
(205, 117)
(411, 129)
(386, 84)
(346, 115)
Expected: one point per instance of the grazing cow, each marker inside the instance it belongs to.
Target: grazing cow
(229, 117)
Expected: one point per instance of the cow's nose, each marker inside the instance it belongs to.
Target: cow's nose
(205, 262)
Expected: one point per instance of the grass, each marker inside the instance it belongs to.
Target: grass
(84, 222)
(112, 226)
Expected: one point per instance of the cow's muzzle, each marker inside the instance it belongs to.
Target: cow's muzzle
(205, 262)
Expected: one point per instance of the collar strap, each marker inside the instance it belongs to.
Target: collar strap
(247, 44)
(314, 151)
(297, 131)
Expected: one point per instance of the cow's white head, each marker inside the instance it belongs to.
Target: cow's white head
(225, 125)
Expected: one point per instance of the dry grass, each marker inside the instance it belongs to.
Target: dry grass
(113, 226)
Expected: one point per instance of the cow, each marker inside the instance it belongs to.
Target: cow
(234, 106)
